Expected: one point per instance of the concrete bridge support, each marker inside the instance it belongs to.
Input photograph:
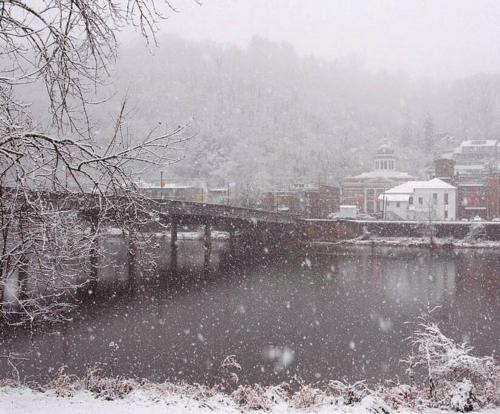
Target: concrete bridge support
(232, 243)
(207, 246)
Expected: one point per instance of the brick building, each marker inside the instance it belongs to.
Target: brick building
(478, 183)
(493, 191)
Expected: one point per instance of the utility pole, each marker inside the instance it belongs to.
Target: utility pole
(384, 205)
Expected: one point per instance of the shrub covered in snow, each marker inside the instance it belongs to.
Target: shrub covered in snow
(308, 396)
(348, 393)
(455, 379)
(253, 398)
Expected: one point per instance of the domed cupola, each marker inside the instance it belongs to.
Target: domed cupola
(385, 159)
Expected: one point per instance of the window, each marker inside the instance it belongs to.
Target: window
(446, 214)
(446, 198)
(398, 204)
(410, 200)
(420, 200)
(434, 198)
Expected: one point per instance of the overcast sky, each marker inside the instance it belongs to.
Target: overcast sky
(438, 38)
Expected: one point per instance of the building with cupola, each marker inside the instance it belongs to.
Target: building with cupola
(363, 190)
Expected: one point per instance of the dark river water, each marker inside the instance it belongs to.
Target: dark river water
(341, 316)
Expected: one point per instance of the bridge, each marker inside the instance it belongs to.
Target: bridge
(253, 234)
(258, 230)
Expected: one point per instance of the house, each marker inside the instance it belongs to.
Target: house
(362, 190)
(420, 200)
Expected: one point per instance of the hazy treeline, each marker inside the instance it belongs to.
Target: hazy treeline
(265, 116)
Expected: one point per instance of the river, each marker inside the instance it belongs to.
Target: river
(341, 316)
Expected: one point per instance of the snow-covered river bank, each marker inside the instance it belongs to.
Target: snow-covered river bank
(26, 401)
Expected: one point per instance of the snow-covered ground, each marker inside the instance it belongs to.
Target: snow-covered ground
(23, 400)
(419, 242)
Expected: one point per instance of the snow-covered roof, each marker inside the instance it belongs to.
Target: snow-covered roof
(479, 143)
(145, 185)
(384, 174)
(473, 184)
(410, 186)
(446, 156)
(177, 186)
(394, 197)
(385, 149)
(465, 167)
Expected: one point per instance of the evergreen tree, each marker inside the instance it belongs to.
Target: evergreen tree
(429, 134)
(405, 139)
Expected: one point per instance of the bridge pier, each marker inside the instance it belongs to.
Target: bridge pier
(173, 246)
(207, 246)
(232, 243)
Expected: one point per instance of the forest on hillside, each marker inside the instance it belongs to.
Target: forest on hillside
(264, 117)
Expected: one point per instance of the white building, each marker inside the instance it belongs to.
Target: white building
(420, 200)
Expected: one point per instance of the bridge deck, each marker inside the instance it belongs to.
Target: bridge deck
(168, 210)
(217, 212)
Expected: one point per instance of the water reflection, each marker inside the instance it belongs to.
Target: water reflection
(337, 316)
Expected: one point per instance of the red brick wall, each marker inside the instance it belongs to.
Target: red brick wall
(493, 191)
(444, 168)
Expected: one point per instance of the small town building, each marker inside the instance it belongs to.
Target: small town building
(310, 201)
(420, 200)
(477, 153)
(179, 192)
(473, 167)
(363, 190)
(197, 192)
(475, 161)
(218, 195)
(282, 201)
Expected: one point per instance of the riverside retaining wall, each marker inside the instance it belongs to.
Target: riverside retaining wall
(334, 230)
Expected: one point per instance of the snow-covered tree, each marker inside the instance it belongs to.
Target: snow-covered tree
(49, 173)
